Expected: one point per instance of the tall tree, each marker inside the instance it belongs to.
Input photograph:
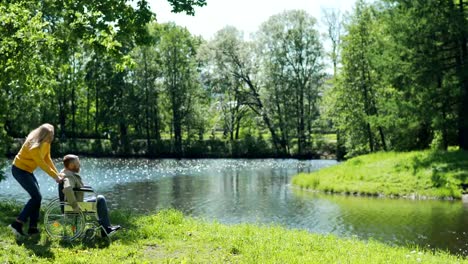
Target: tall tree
(332, 19)
(178, 52)
(292, 56)
(145, 73)
(355, 97)
(425, 49)
(460, 24)
(236, 61)
(225, 87)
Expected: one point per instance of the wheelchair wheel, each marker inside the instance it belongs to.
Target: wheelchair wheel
(63, 225)
(51, 203)
(89, 234)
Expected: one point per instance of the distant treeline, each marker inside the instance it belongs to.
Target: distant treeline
(249, 147)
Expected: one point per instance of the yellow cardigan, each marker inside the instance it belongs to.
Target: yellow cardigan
(29, 159)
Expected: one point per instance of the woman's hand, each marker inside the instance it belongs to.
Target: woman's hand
(59, 178)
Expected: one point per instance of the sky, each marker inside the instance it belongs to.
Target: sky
(245, 15)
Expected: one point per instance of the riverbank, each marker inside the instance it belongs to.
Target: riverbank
(417, 174)
(169, 237)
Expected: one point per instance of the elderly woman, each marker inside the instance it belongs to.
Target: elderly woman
(34, 153)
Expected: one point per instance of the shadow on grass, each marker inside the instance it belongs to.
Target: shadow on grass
(96, 242)
(128, 234)
(447, 166)
(38, 249)
(9, 209)
(125, 219)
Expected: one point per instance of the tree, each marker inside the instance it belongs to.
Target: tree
(355, 97)
(227, 89)
(22, 40)
(144, 75)
(459, 24)
(428, 53)
(236, 61)
(292, 58)
(333, 21)
(178, 53)
(186, 6)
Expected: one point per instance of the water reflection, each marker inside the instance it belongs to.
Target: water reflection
(430, 224)
(258, 191)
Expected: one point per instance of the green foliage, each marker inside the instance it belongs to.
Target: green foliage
(22, 39)
(186, 5)
(178, 53)
(401, 85)
(410, 174)
(222, 60)
(291, 57)
(354, 97)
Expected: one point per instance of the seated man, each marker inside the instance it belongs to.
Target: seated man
(73, 180)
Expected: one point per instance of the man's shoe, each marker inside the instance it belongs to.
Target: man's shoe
(110, 230)
(16, 228)
(33, 231)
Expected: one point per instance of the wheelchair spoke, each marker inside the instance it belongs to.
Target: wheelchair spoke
(67, 226)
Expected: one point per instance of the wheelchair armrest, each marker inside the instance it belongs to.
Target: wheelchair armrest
(84, 189)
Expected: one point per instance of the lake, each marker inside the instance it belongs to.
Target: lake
(259, 191)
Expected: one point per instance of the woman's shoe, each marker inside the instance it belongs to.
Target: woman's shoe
(33, 231)
(17, 228)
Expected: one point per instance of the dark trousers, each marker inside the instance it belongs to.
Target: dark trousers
(32, 207)
(102, 210)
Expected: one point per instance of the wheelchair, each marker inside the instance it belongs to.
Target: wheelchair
(62, 222)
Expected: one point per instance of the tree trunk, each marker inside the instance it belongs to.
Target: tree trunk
(147, 105)
(96, 115)
(62, 112)
(282, 126)
(73, 101)
(463, 73)
(157, 126)
(263, 113)
(301, 124)
(177, 135)
(88, 108)
(124, 138)
(382, 138)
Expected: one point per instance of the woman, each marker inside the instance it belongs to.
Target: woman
(34, 153)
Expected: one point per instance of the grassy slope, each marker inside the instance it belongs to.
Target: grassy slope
(169, 237)
(419, 173)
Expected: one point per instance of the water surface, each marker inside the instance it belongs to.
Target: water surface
(259, 191)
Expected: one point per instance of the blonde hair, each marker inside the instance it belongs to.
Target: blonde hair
(39, 135)
(70, 159)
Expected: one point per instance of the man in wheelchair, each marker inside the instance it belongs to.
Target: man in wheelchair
(72, 180)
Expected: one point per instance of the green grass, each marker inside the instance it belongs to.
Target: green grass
(433, 174)
(169, 237)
